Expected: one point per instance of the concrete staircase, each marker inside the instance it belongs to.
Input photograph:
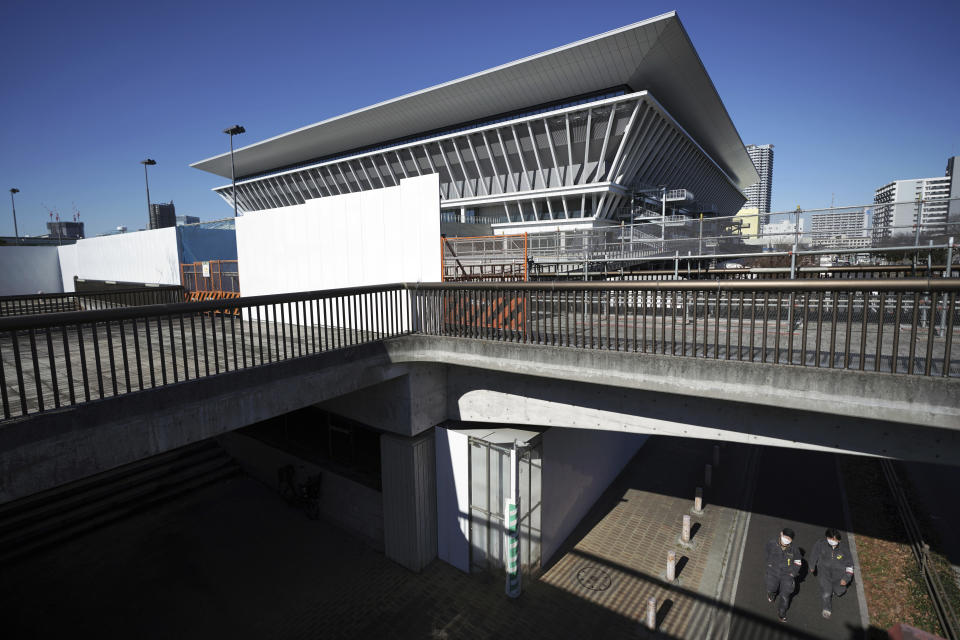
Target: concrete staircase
(63, 513)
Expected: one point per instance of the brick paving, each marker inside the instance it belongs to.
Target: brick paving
(234, 561)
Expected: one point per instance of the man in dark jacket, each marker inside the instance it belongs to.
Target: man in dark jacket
(831, 561)
(783, 567)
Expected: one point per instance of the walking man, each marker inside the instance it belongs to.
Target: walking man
(783, 567)
(832, 563)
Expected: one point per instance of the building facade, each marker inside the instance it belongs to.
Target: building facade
(65, 229)
(782, 233)
(182, 220)
(842, 229)
(758, 194)
(559, 139)
(163, 215)
(933, 203)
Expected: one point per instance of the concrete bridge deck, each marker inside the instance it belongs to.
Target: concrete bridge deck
(118, 358)
(84, 393)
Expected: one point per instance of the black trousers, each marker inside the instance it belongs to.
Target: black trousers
(830, 588)
(782, 587)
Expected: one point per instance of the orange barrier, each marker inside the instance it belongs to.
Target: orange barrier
(202, 296)
(503, 311)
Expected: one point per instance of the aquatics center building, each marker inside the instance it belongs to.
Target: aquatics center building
(561, 138)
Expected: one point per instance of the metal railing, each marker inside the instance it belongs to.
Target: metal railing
(690, 272)
(897, 326)
(54, 360)
(42, 303)
(893, 326)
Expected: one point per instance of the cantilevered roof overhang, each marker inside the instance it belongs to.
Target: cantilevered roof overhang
(654, 55)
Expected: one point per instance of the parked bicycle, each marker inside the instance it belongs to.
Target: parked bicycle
(305, 495)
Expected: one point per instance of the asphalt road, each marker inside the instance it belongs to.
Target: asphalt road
(798, 489)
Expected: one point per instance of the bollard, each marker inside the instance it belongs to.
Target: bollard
(698, 501)
(652, 613)
(716, 456)
(707, 475)
(685, 534)
(671, 566)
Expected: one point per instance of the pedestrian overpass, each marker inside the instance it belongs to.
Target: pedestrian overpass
(859, 366)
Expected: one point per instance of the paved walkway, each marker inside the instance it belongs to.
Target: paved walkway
(234, 561)
(801, 490)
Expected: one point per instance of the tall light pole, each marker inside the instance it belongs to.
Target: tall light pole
(14, 205)
(147, 163)
(235, 130)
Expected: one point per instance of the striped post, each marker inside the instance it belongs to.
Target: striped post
(512, 548)
(511, 528)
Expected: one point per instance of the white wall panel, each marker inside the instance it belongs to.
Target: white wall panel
(28, 270)
(365, 238)
(143, 256)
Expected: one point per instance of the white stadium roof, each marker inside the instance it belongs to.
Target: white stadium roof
(654, 55)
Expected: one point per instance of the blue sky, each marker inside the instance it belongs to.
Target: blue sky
(851, 94)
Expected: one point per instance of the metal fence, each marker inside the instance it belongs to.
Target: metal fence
(893, 326)
(89, 300)
(211, 276)
(896, 326)
(690, 272)
(844, 233)
(49, 361)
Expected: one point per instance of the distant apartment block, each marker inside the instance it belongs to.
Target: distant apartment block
(758, 194)
(163, 215)
(931, 202)
(844, 229)
(65, 229)
(785, 232)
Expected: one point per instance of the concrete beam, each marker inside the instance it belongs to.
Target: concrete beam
(50, 449)
(477, 395)
(406, 385)
(914, 400)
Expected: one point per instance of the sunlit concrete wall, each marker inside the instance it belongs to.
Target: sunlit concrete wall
(578, 466)
(68, 265)
(29, 269)
(453, 498)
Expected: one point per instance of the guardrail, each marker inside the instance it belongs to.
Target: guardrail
(750, 273)
(904, 326)
(62, 359)
(42, 303)
(893, 326)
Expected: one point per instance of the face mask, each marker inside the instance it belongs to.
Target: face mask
(832, 543)
(784, 540)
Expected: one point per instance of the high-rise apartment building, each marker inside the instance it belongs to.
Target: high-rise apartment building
(163, 215)
(758, 195)
(65, 229)
(931, 202)
(842, 229)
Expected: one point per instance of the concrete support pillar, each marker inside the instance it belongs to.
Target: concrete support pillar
(409, 499)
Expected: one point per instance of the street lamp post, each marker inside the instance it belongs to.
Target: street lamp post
(147, 163)
(14, 206)
(235, 130)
